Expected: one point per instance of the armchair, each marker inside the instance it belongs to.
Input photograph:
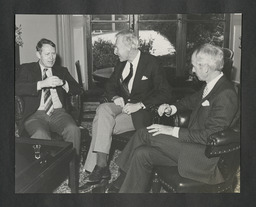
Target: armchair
(73, 105)
(224, 144)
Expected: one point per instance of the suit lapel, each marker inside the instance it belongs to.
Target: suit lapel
(215, 88)
(139, 72)
(211, 94)
(37, 72)
(120, 69)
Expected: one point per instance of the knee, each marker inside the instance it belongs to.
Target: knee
(142, 154)
(102, 108)
(143, 134)
(40, 134)
(72, 129)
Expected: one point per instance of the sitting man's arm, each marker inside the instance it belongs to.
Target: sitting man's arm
(69, 84)
(156, 129)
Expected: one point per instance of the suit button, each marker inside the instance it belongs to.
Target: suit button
(129, 99)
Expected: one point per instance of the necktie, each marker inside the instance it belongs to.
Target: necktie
(205, 93)
(125, 82)
(48, 104)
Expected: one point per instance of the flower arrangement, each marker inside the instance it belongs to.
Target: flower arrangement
(18, 39)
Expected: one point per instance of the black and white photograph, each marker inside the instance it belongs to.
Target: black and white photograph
(128, 103)
(190, 141)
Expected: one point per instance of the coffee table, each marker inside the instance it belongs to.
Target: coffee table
(43, 171)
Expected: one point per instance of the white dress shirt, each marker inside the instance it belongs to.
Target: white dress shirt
(55, 98)
(126, 70)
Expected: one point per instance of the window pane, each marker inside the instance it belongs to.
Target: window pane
(200, 33)
(99, 28)
(103, 40)
(159, 39)
(205, 17)
(110, 17)
(158, 17)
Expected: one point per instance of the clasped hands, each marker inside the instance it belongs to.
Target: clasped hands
(128, 108)
(52, 81)
(156, 129)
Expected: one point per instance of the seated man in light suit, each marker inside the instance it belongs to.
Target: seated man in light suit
(43, 87)
(213, 109)
(135, 86)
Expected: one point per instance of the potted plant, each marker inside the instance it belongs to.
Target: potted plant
(18, 43)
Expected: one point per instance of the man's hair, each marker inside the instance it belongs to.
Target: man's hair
(209, 55)
(129, 38)
(43, 42)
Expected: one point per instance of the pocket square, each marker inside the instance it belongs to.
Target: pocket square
(206, 103)
(144, 78)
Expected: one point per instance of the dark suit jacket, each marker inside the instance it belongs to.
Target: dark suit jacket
(26, 86)
(221, 106)
(153, 91)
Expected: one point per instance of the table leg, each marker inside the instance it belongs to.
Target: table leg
(73, 174)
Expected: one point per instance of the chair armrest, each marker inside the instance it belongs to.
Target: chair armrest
(19, 108)
(74, 106)
(222, 142)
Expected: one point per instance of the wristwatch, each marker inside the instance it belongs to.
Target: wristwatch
(142, 105)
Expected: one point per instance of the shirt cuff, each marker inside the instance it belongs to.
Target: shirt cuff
(175, 132)
(174, 109)
(142, 105)
(66, 87)
(38, 86)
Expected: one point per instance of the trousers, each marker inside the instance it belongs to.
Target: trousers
(139, 156)
(109, 119)
(39, 126)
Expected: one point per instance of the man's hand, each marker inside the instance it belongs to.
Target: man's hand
(52, 81)
(164, 108)
(130, 108)
(119, 101)
(160, 129)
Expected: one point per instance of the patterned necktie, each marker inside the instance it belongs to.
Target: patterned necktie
(205, 93)
(48, 104)
(125, 82)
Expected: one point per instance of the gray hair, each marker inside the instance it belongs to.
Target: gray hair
(129, 38)
(209, 55)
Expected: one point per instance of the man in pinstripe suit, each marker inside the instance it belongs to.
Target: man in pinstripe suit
(213, 109)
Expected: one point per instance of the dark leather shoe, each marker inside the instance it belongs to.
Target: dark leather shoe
(98, 174)
(112, 189)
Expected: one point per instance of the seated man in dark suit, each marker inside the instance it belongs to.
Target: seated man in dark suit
(213, 109)
(43, 87)
(134, 87)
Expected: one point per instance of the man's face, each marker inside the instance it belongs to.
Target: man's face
(47, 56)
(121, 50)
(199, 70)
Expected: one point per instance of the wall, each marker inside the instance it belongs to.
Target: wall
(35, 27)
(235, 43)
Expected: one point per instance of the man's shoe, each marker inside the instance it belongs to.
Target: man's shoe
(98, 174)
(112, 189)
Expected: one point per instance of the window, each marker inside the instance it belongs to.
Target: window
(171, 37)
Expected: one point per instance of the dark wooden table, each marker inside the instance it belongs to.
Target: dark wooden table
(44, 174)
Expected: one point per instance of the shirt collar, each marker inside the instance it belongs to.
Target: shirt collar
(212, 83)
(42, 68)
